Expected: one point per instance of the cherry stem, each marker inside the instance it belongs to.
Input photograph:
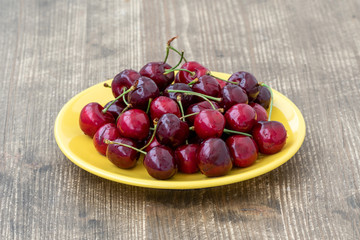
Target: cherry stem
(124, 145)
(189, 115)
(152, 136)
(118, 97)
(236, 132)
(221, 79)
(124, 98)
(168, 47)
(107, 85)
(193, 81)
(148, 107)
(175, 50)
(178, 98)
(179, 69)
(192, 128)
(181, 58)
(125, 109)
(152, 129)
(206, 97)
(271, 98)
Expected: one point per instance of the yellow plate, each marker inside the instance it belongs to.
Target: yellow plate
(80, 150)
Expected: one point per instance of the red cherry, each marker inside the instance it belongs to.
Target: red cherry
(261, 114)
(126, 79)
(186, 158)
(270, 136)
(171, 131)
(247, 82)
(121, 156)
(92, 118)
(116, 108)
(161, 105)
(209, 123)
(243, 150)
(207, 85)
(186, 77)
(107, 131)
(186, 100)
(240, 117)
(145, 90)
(155, 71)
(134, 124)
(214, 158)
(264, 97)
(160, 163)
(232, 94)
(197, 107)
(154, 143)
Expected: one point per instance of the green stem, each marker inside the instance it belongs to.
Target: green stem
(124, 98)
(167, 53)
(221, 79)
(192, 128)
(236, 132)
(196, 94)
(271, 98)
(124, 145)
(178, 98)
(193, 81)
(175, 50)
(152, 137)
(189, 115)
(118, 97)
(179, 69)
(107, 85)
(148, 107)
(152, 129)
(125, 109)
(181, 58)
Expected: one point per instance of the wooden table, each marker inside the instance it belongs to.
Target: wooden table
(52, 50)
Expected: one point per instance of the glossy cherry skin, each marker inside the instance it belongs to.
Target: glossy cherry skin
(247, 82)
(146, 89)
(243, 150)
(207, 85)
(116, 108)
(261, 114)
(264, 97)
(171, 131)
(232, 94)
(92, 118)
(270, 136)
(160, 163)
(186, 100)
(214, 158)
(126, 79)
(240, 117)
(121, 156)
(209, 123)
(186, 158)
(155, 71)
(134, 124)
(154, 143)
(107, 131)
(186, 77)
(162, 105)
(197, 107)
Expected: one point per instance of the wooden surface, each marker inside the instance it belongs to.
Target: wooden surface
(52, 50)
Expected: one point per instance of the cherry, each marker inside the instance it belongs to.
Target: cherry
(186, 77)
(152, 144)
(243, 150)
(214, 158)
(185, 98)
(197, 107)
(92, 118)
(122, 156)
(171, 131)
(145, 90)
(247, 82)
(116, 108)
(161, 105)
(155, 71)
(209, 123)
(207, 85)
(107, 131)
(270, 136)
(160, 163)
(134, 124)
(261, 114)
(186, 158)
(124, 79)
(240, 117)
(264, 97)
(232, 94)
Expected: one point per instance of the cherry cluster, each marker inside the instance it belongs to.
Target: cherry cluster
(186, 122)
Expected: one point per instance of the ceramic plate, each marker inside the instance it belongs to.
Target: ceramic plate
(80, 150)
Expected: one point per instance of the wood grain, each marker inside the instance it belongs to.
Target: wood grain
(308, 50)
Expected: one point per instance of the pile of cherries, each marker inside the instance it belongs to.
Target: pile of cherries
(186, 122)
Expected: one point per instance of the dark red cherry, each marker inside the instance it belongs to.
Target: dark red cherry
(270, 136)
(134, 124)
(92, 118)
(160, 163)
(264, 97)
(232, 94)
(116, 108)
(186, 158)
(197, 107)
(171, 131)
(247, 82)
(121, 156)
(154, 143)
(221, 83)
(186, 100)
(161, 105)
(240, 117)
(126, 79)
(186, 77)
(207, 85)
(145, 90)
(243, 150)
(261, 114)
(155, 71)
(107, 131)
(214, 157)
(209, 123)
